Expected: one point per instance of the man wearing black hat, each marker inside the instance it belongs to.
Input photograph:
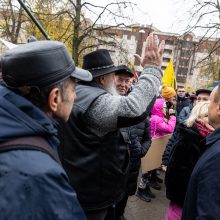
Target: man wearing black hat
(201, 95)
(38, 86)
(138, 143)
(123, 78)
(92, 154)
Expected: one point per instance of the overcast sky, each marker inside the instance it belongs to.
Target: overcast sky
(166, 15)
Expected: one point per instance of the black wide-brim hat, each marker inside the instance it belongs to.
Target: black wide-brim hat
(40, 64)
(99, 63)
(125, 70)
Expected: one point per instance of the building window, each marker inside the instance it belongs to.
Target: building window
(187, 44)
(168, 51)
(183, 63)
(169, 42)
(125, 37)
(132, 38)
(182, 71)
(132, 46)
(186, 53)
(166, 59)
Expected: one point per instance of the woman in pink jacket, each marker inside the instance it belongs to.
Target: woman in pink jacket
(160, 124)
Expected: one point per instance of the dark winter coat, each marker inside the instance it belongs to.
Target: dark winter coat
(140, 142)
(32, 184)
(187, 148)
(92, 155)
(181, 103)
(185, 113)
(94, 163)
(168, 149)
(202, 199)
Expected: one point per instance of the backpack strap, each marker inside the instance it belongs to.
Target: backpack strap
(29, 143)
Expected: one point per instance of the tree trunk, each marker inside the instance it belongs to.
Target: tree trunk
(75, 40)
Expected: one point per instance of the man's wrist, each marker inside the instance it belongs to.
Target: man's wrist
(152, 64)
(152, 70)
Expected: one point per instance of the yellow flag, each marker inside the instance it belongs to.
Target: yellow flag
(169, 75)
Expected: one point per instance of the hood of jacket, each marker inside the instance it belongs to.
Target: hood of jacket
(20, 118)
(158, 107)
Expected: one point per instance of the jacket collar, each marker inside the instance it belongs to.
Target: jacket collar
(213, 137)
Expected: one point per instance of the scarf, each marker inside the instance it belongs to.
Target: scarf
(202, 129)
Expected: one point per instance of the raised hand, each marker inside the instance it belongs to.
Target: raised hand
(153, 52)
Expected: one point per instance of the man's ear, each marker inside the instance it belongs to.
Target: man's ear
(54, 99)
(102, 80)
(218, 108)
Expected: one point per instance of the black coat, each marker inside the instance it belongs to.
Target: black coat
(181, 103)
(202, 199)
(94, 163)
(140, 142)
(168, 149)
(187, 148)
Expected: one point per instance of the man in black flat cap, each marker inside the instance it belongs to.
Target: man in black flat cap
(201, 96)
(92, 151)
(138, 144)
(123, 77)
(38, 86)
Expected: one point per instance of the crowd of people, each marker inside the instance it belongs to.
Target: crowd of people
(72, 139)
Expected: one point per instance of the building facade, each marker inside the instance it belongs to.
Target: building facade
(187, 52)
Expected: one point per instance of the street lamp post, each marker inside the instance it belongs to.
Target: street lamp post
(37, 23)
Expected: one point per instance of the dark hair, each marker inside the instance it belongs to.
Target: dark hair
(181, 87)
(39, 97)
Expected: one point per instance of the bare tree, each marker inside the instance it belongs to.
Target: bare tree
(205, 15)
(12, 19)
(89, 34)
(67, 21)
(205, 18)
(209, 69)
(79, 33)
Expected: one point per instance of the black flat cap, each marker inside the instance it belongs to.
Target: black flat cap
(124, 69)
(203, 91)
(40, 64)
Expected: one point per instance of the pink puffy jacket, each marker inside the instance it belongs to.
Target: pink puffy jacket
(159, 125)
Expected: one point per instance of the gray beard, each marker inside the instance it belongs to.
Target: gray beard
(112, 89)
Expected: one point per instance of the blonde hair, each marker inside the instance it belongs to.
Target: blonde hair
(199, 110)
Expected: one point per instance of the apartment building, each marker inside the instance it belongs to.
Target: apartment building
(186, 50)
